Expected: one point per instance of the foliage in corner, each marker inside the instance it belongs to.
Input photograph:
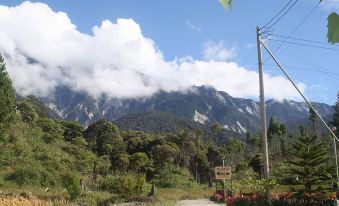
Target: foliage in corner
(226, 3)
(333, 28)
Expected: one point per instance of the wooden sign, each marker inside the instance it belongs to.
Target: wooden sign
(223, 173)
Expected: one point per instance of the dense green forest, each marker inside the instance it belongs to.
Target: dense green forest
(37, 150)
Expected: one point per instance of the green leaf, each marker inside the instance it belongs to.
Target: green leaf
(333, 28)
(226, 3)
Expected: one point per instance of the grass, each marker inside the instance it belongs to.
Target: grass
(57, 196)
(164, 196)
(171, 194)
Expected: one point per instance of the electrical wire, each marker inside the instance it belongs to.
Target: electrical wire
(302, 44)
(298, 26)
(305, 60)
(311, 64)
(281, 10)
(303, 40)
(282, 16)
(330, 74)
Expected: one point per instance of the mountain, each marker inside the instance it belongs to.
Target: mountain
(204, 105)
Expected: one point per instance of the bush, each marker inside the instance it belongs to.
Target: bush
(174, 177)
(24, 175)
(125, 186)
(72, 184)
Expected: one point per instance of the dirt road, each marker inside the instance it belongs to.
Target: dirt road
(197, 203)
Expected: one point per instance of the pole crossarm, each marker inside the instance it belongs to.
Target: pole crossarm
(302, 95)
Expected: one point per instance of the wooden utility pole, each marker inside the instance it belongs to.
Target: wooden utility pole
(309, 104)
(263, 117)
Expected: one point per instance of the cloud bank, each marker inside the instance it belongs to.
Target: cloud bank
(331, 5)
(44, 49)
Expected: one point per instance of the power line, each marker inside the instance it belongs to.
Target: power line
(282, 16)
(304, 40)
(302, 44)
(298, 26)
(305, 60)
(281, 10)
(310, 63)
(335, 75)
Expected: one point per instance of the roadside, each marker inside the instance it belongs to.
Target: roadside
(196, 203)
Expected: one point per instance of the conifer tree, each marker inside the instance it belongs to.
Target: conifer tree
(310, 162)
(7, 94)
(312, 118)
(335, 121)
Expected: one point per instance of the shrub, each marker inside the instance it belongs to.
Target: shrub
(72, 184)
(125, 186)
(24, 175)
(174, 177)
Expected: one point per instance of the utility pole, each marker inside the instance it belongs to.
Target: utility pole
(336, 158)
(309, 104)
(263, 117)
(224, 182)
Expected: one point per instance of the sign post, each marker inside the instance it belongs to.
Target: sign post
(223, 173)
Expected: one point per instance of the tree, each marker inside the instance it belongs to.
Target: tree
(312, 118)
(164, 155)
(335, 120)
(72, 130)
(72, 184)
(273, 129)
(215, 129)
(140, 163)
(27, 111)
(7, 94)
(310, 162)
(257, 164)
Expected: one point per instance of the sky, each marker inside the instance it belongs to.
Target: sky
(133, 48)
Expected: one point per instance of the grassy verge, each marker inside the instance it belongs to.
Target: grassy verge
(168, 196)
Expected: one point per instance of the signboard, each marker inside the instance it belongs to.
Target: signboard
(223, 173)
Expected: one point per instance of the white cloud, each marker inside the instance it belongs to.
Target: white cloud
(318, 91)
(331, 5)
(43, 50)
(217, 51)
(193, 27)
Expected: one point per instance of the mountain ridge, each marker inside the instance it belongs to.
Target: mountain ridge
(204, 105)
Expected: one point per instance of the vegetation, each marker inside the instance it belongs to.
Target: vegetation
(311, 162)
(103, 164)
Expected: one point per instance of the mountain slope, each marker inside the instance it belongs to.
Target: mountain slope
(203, 105)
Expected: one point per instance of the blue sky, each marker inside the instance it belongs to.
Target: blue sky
(182, 28)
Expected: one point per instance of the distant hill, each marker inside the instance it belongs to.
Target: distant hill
(156, 122)
(162, 122)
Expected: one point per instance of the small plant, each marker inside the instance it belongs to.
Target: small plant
(174, 177)
(72, 184)
(260, 185)
(125, 186)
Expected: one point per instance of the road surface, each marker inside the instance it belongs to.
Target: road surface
(196, 203)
